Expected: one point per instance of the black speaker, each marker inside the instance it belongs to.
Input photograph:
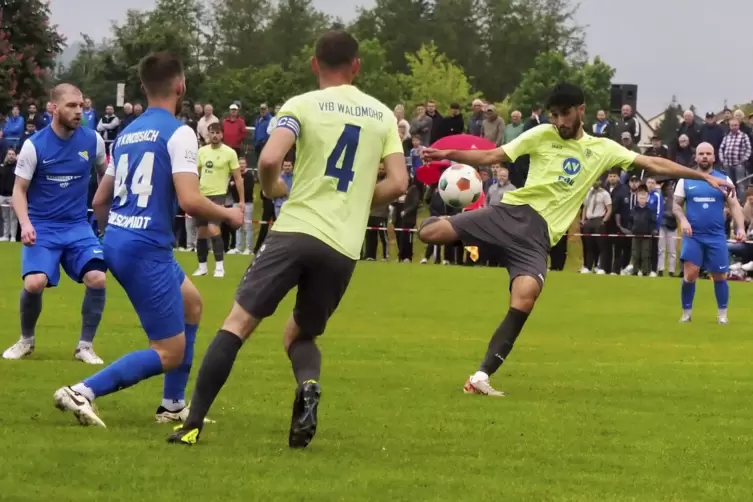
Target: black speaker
(623, 94)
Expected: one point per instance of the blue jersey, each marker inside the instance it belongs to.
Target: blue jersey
(59, 171)
(145, 156)
(704, 205)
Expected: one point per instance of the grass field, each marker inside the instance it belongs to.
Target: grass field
(609, 398)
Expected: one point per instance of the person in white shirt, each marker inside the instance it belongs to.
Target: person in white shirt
(273, 120)
(202, 128)
(597, 209)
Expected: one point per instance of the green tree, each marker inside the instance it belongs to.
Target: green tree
(667, 129)
(89, 71)
(293, 25)
(552, 68)
(239, 30)
(456, 29)
(28, 47)
(433, 76)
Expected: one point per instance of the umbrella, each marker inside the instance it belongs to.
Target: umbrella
(430, 173)
(478, 204)
(463, 142)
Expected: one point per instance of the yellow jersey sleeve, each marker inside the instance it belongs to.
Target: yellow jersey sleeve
(619, 155)
(233, 160)
(392, 143)
(526, 142)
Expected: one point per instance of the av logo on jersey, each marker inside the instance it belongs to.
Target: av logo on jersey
(571, 166)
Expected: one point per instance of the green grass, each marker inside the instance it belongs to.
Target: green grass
(610, 399)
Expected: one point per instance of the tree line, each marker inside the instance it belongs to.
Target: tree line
(508, 52)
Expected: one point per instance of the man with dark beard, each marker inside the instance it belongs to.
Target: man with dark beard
(704, 235)
(565, 163)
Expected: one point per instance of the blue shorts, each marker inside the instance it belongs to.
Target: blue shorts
(73, 247)
(708, 252)
(153, 286)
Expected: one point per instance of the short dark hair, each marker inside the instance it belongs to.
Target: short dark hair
(615, 170)
(214, 127)
(642, 188)
(336, 49)
(565, 96)
(157, 72)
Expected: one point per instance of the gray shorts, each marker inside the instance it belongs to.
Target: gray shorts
(220, 201)
(286, 260)
(518, 234)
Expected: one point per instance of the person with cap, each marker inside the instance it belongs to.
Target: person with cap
(234, 130)
(712, 133)
(657, 149)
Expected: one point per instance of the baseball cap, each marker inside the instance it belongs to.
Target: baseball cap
(233, 106)
(634, 177)
(626, 135)
(710, 115)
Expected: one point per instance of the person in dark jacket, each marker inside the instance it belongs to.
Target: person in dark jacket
(657, 149)
(377, 218)
(628, 123)
(684, 154)
(476, 120)
(712, 133)
(437, 207)
(9, 224)
(667, 232)
(3, 147)
(128, 117)
(620, 195)
(643, 228)
(35, 117)
(406, 213)
(436, 121)
(453, 123)
(689, 128)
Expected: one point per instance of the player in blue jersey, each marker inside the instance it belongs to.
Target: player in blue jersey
(49, 197)
(704, 241)
(153, 167)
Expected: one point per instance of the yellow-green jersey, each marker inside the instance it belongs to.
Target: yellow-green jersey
(561, 173)
(215, 168)
(342, 135)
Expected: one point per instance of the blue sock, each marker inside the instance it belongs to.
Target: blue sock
(91, 313)
(176, 379)
(125, 372)
(687, 295)
(721, 290)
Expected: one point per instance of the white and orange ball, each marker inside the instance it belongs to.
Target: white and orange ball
(460, 185)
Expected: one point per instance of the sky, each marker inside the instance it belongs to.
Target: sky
(666, 47)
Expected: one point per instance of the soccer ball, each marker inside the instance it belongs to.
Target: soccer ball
(460, 186)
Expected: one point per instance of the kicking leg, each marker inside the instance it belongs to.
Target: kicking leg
(437, 230)
(524, 293)
(30, 308)
(91, 315)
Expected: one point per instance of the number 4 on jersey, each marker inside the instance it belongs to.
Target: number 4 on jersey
(141, 183)
(346, 148)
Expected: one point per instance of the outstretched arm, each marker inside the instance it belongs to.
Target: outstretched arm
(664, 167)
(470, 157)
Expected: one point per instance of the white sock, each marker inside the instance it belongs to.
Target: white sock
(723, 312)
(220, 265)
(172, 405)
(479, 376)
(203, 266)
(30, 340)
(84, 345)
(84, 391)
(687, 312)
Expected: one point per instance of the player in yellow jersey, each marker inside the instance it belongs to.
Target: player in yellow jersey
(341, 136)
(217, 162)
(565, 162)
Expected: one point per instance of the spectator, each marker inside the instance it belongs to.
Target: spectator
(3, 146)
(377, 218)
(514, 128)
(7, 180)
(626, 139)
(597, 209)
(415, 155)
(744, 127)
(684, 155)
(287, 176)
(453, 123)
(35, 118)
(657, 149)
(260, 129)
(630, 124)
(602, 128)
(712, 133)
(421, 125)
(406, 213)
(186, 116)
(89, 115)
(437, 207)
(735, 153)
(273, 120)
(202, 127)
(108, 127)
(400, 117)
(726, 118)
(248, 215)
(14, 127)
(476, 121)
(128, 117)
(436, 121)
(31, 129)
(656, 204)
(623, 215)
(620, 195)
(47, 115)
(643, 228)
(500, 187)
(667, 232)
(493, 127)
(234, 130)
(198, 111)
(689, 128)
(537, 118)
(403, 132)
(138, 109)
